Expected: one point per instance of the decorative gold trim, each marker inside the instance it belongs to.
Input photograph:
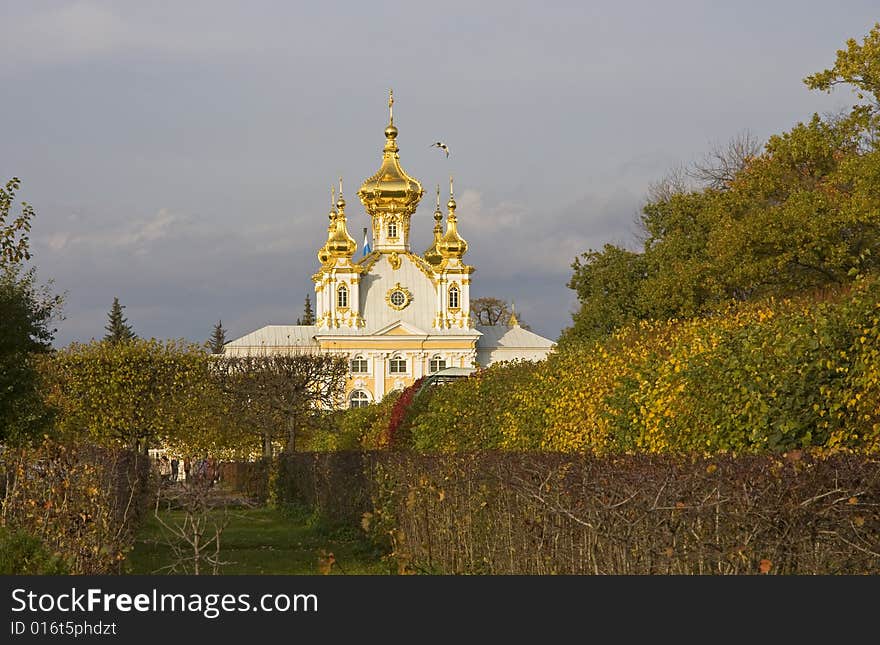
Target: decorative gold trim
(394, 260)
(424, 267)
(406, 294)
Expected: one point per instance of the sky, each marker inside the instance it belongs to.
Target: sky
(179, 155)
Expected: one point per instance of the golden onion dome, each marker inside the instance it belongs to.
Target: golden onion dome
(323, 253)
(341, 244)
(390, 189)
(433, 255)
(452, 245)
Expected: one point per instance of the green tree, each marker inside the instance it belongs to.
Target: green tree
(797, 215)
(218, 339)
(859, 67)
(133, 394)
(14, 243)
(118, 329)
(308, 317)
(27, 311)
(607, 283)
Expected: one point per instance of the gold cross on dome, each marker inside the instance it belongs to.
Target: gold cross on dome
(391, 106)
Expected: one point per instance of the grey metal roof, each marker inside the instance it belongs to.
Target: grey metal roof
(278, 336)
(512, 337)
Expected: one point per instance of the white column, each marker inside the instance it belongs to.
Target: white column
(378, 377)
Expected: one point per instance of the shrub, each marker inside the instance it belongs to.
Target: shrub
(774, 376)
(22, 554)
(500, 512)
(82, 502)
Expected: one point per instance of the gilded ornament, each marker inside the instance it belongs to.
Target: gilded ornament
(398, 297)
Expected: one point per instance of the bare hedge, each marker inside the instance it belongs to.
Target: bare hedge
(83, 502)
(549, 513)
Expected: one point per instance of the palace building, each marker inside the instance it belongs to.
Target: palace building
(394, 314)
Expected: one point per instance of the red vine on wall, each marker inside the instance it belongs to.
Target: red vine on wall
(398, 412)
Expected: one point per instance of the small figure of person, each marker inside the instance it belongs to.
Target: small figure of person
(164, 468)
(175, 467)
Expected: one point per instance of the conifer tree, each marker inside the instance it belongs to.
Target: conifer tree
(218, 338)
(118, 329)
(308, 317)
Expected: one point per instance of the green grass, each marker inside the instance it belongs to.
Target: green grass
(266, 541)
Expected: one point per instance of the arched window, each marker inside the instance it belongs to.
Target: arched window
(437, 363)
(359, 365)
(397, 365)
(453, 297)
(392, 230)
(358, 399)
(342, 296)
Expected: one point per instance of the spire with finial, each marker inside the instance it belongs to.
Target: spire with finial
(341, 244)
(433, 255)
(452, 245)
(323, 253)
(390, 196)
(514, 321)
(390, 107)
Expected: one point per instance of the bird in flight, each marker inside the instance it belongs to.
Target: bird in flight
(442, 146)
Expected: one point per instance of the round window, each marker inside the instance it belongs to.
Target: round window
(398, 298)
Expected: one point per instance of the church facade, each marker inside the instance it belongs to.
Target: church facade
(394, 314)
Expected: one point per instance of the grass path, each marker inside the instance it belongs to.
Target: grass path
(267, 541)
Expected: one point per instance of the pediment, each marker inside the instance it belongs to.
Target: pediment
(400, 328)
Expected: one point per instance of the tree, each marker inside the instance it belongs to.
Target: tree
(308, 317)
(493, 311)
(607, 283)
(720, 167)
(857, 66)
(27, 310)
(134, 394)
(274, 396)
(118, 329)
(798, 214)
(218, 339)
(14, 243)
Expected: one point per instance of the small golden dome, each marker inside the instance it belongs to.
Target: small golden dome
(323, 253)
(433, 255)
(340, 244)
(452, 245)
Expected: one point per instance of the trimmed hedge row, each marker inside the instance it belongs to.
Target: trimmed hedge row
(532, 513)
(771, 377)
(82, 502)
(250, 478)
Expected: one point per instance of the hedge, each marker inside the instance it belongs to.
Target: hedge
(758, 378)
(82, 502)
(530, 513)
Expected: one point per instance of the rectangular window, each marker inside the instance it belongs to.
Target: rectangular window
(437, 364)
(359, 366)
(397, 365)
(392, 230)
